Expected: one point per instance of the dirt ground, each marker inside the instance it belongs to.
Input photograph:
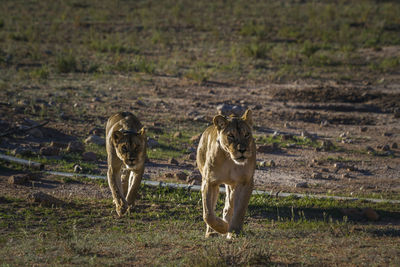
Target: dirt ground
(360, 121)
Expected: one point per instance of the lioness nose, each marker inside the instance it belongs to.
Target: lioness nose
(241, 148)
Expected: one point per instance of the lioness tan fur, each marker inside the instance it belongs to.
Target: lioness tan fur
(126, 148)
(227, 155)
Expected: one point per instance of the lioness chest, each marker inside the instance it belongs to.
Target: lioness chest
(228, 172)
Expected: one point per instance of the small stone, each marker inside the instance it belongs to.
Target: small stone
(18, 179)
(301, 185)
(386, 148)
(89, 156)
(75, 147)
(181, 175)
(325, 169)
(363, 129)
(96, 99)
(316, 175)
(49, 151)
(394, 146)
(152, 143)
(173, 161)
(261, 164)
(211, 91)
(140, 103)
(178, 135)
(338, 165)
(387, 134)
(343, 135)
(94, 139)
(345, 175)
(287, 125)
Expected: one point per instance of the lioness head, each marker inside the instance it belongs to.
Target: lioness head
(130, 146)
(235, 136)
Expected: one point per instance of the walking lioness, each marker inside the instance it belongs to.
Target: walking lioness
(126, 148)
(227, 155)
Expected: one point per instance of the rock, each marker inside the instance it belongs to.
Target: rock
(173, 161)
(97, 131)
(200, 118)
(18, 179)
(301, 185)
(363, 129)
(178, 135)
(89, 156)
(394, 145)
(324, 123)
(44, 199)
(94, 139)
(316, 175)
(152, 143)
(194, 178)
(271, 163)
(195, 138)
(140, 103)
(262, 164)
(211, 91)
(58, 144)
(387, 134)
(227, 110)
(169, 175)
(287, 125)
(36, 133)
(192, 156)
(370, 214)
(386, 148)
(327, 145)
(181, 175)
(75, 147)
(77, 168)
(49, 151)
(369, 149)
(345, 175)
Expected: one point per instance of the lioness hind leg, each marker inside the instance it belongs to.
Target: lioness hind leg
(241, 197)
(209, 198)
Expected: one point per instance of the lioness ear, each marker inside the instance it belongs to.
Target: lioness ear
(116, 137)
(247, 117)
(220, 121)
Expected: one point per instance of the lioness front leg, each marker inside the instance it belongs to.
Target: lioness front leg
(209, 197)
(241, 197)
(134, 184)
(113, 174)
(228, 209)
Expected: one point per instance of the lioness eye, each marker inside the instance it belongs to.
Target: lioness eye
(230, 136)
(247, 135)
(124, 149)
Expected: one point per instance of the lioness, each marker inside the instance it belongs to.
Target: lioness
(227, 155)
(126, 147)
